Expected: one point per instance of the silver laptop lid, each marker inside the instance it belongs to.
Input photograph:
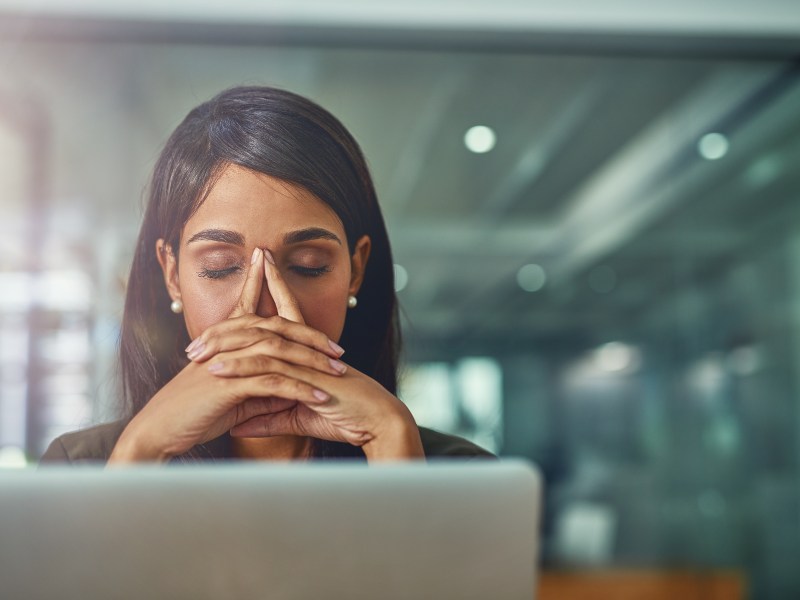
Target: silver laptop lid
(447, 530)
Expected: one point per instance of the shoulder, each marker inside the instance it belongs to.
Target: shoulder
(437, 444)
(88, 445)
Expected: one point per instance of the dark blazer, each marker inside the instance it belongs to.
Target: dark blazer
(94, 445)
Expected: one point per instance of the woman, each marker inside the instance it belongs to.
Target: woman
(260, 319)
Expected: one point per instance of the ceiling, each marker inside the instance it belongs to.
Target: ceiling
(596, 175)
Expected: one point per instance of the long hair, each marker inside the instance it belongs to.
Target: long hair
(286, 136)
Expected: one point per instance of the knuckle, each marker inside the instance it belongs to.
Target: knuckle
(305, 390)
(279, 344)
(322, 362)
(268, 346)
(252, 332)
(280, 323)
(211, 331)
(265, 363)
(249, 320)
(272, 380)
(270, 342)
(233, 365)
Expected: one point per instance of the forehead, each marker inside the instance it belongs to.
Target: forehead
(260, 207)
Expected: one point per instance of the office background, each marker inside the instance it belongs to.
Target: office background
(594, 213)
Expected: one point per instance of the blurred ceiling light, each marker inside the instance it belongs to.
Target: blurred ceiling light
(763, 171)
(706, 376)
(531, 278)
(615, 357)
(602, 279)
(722, 434)
(713, 146)
(400, 277)
(480, 139)
(745, 360)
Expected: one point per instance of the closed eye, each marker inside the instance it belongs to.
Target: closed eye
(218, 273)
(310, 271)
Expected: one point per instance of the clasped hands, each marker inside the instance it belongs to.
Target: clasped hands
(262, 377)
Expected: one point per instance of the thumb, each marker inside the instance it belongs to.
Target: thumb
(285, 302)
(248, 299)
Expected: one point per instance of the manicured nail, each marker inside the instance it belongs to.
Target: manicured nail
(336, 347)
(197, 350)
(192, 344)
(337, 366)
(216, 367)
(254, 258)
(269, 256)
(320, 395)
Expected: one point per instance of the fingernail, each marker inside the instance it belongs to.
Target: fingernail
(216, 367)
(197, 350)
(192, 345)
(320, 395)
(269, 256)
(254, 258)
(336, 347)
(337, 366)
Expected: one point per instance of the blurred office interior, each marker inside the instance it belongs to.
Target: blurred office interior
(594, 216)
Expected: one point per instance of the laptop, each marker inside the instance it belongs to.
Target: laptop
(442, 530)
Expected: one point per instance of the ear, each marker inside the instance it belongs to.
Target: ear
(358, 263)
(169, 267)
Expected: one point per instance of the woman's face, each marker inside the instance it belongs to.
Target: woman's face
(244, 210)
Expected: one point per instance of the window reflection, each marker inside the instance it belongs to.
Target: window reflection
(464, 398)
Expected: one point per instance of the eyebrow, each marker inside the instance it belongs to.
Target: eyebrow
(311, 233)
(226, 236)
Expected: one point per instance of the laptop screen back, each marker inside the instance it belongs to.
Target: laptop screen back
(449, 530)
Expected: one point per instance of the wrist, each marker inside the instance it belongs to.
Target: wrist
(131, 447)
(397, 439)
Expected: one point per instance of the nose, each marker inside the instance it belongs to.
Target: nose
(266, 305)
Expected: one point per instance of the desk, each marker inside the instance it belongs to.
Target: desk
(641, 585)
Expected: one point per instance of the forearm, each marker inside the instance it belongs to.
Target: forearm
(132, 448)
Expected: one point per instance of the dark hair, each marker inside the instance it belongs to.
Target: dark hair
(285, 136)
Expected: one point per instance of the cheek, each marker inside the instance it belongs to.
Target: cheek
(324, 307)
(205, 304)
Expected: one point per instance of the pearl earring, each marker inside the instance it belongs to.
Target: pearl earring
(176, 306)
(352, 302)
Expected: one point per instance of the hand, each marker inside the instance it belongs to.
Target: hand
(351, 407)
(196, 406)
(357, 410)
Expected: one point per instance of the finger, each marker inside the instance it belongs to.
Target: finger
(265, 354)
(207, 343)
(285, 302)
(278, 423)
(279, 385)
(241, 364)
(254, 407)
(248, 299)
